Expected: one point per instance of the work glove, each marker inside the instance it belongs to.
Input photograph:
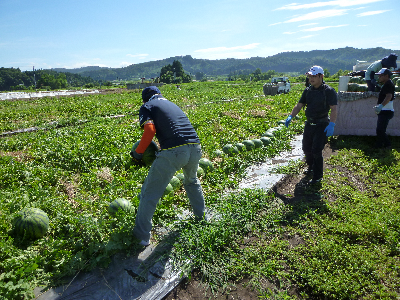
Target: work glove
(288, 120)
(378, 108)
(373, 81)
(137, 158)
(329, 129)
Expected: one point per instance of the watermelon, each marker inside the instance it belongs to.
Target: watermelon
(257, 143)
(281, 122)
(240, 146)
(32, 223)
(268, 134)
(175, 182)
(230, 149)
(120, 203)
(180, 176)
(168, 190)
(206, 164)
(200, 172)
(265, 140)
(249, 144)
(218, 153)
(149, 154)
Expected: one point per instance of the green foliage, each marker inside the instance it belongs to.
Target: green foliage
(76, 166)
(174, 73)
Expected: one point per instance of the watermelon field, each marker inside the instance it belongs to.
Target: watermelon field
(78, 162)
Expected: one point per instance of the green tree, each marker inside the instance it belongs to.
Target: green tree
(174, 73)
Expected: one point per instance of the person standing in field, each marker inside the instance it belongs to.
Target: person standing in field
(386, 62)
(319, 98)
(384, 108)
(180, 149)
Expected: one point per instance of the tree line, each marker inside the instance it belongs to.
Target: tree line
(14, 79)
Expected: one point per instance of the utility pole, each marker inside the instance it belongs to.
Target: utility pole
(34, 76)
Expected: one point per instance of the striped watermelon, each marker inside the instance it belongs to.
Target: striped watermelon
(218, 153)
(120, 203)
(230, 149)
(168, 190)
(249, 144)
(206, 164)
(200, 172)
(241, 147)
(257, 143)
(149, 154)
(175, 182)
(180, 176)
(265, 140)
(32, 223)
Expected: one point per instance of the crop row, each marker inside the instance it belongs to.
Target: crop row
(73, 172)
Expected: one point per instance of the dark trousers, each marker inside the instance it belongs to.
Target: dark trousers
(371, 87)
(314, 140)
(382, 140)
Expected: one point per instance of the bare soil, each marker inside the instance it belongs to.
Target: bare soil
(290, 189)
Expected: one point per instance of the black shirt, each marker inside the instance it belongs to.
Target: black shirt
(388, 88)
(173, 127)
(318, 101)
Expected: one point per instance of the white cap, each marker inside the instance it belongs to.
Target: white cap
(384, 71)
(315, 70)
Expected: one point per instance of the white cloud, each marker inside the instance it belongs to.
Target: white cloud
(318, 15)
(224, 52)
(322, 28)
(309, 24)
(340, 3)
(370, 13)
(306, 37)
(140, 56)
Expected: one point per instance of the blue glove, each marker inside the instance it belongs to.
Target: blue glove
(378, 108)
(288, 120)
(329, 129)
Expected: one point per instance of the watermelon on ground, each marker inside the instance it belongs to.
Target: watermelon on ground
(248, 144)
(32, 223)
(257, 143)
(281, 122)
(149, 154)
(218, 153)
(200, 172)
(168, 190)
(230, 149)
(120, 203)
(175, 182)
(240, 146)
(268, 134)
(180, 176)
(265, 140)
(206, 164)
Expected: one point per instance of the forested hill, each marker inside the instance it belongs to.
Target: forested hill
(333, 60)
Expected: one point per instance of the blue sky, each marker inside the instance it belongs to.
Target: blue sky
(77, 33)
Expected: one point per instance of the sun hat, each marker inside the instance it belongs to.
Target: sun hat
(149, 92)
(315, 70)
(384, 71)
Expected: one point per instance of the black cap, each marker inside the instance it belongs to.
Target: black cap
(149, 92)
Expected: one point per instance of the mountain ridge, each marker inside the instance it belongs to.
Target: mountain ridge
(290, 61)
